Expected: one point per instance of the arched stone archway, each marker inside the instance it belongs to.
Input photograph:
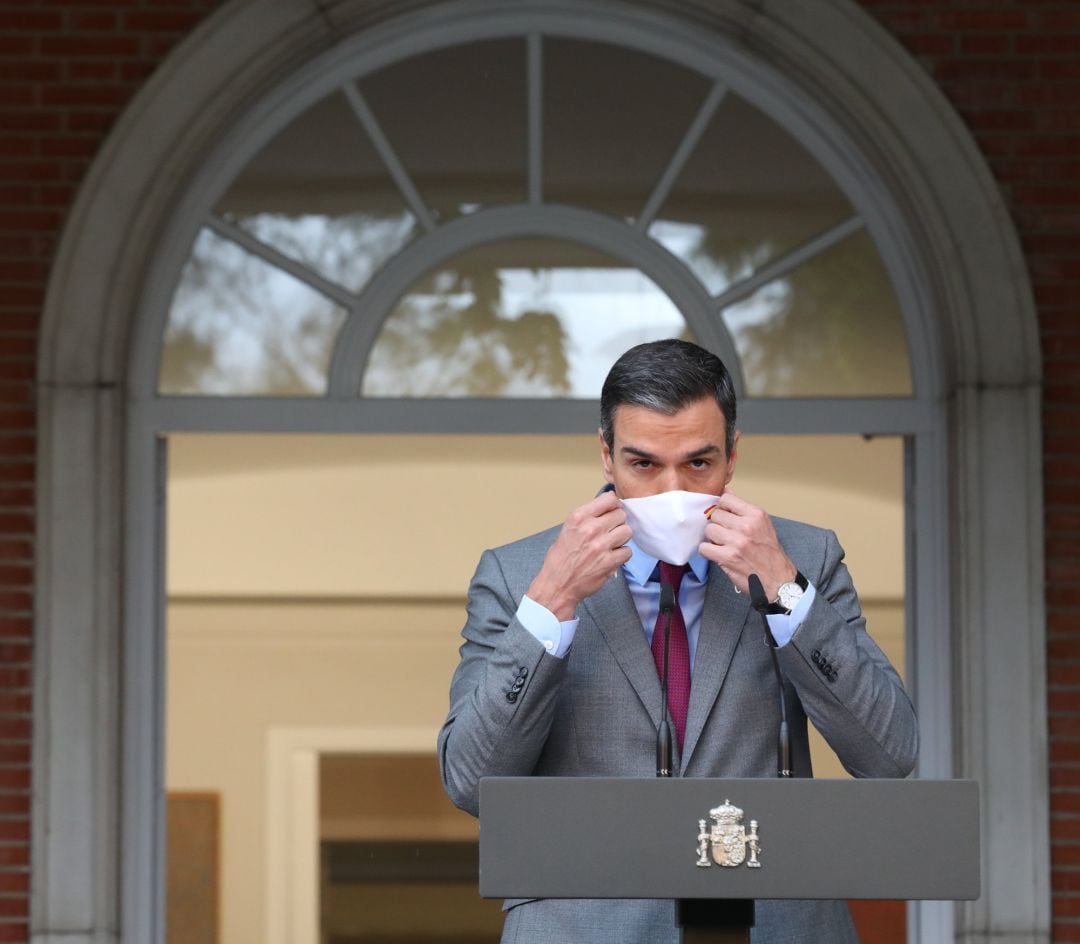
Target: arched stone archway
(96, 799)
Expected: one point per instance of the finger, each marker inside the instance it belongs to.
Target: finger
(618, 537)
(726, 561)
(727, 533)
(726, 555)
(731, 502)
(613, 518)
(587, 515)
(604, 502)
(715, 534)
(724, 520)
(607, 563)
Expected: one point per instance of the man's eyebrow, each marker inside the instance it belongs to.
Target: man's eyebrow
(707, 450)
(710, 449)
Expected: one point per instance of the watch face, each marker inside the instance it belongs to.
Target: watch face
(789, 595)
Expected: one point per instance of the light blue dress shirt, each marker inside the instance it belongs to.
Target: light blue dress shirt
(557, 637)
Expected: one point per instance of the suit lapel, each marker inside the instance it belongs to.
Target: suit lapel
(722, 622)
(612, 611)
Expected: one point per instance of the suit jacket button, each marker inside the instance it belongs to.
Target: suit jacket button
(511, 696)
(523, 671)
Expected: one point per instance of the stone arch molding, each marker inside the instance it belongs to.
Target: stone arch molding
(97, 814)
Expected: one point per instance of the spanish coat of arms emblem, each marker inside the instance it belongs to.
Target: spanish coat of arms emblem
(727, 840)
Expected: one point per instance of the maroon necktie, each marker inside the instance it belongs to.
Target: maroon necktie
(678, 697)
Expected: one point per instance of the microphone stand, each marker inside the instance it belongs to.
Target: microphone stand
(663, 732)
(761, 603)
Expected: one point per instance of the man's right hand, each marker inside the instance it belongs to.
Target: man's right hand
(589, 549)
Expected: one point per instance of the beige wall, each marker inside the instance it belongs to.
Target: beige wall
(320, 581)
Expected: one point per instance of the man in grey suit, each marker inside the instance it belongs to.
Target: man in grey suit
(558, 677)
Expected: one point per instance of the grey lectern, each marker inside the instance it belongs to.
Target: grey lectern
(728, 841)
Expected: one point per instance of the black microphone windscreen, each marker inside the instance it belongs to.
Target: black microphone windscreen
(757, 594)
(667, 598)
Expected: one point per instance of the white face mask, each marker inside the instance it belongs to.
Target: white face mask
(671, 525)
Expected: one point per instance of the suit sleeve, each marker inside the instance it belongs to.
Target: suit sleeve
(503, 694)
(846, 685)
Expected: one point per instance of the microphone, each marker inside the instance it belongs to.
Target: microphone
(761, 603)
(663, 732)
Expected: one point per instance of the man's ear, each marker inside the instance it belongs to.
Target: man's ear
(605, 458)
(732, 459)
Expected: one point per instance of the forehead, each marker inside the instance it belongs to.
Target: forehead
(700, 422)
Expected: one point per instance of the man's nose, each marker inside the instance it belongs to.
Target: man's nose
(673, 481)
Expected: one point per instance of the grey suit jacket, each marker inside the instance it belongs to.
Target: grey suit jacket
(595, 713)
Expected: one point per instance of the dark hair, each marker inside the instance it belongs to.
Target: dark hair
(667, 376)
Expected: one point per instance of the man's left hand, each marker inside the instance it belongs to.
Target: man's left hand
(741, 539)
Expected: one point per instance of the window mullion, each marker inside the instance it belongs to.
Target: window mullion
(535, 109)
(781, 266)
(681, 155)
(386, 151)
(336, 293)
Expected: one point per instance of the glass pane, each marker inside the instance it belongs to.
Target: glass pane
(319, 193)
(612, 120)
(456, 119)
(748, 193)
(398, 861)
(238, 326)
(522, 318)
(832, 327)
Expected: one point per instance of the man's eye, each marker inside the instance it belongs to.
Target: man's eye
(699, 463)
(642, 464)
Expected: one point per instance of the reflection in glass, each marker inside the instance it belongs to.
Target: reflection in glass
(831, 327)
(319, 193)
(613, 118)
(456, 120)
(348, 250)
(748, 194)
(522, 318)
(238, 326)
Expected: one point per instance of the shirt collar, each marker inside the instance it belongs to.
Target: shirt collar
(640, 567)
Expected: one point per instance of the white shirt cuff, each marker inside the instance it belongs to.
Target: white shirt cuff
(554, 636)
(783, 625)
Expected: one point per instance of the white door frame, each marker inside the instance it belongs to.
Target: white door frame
(292, 814)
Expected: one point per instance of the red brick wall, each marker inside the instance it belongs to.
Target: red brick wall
(67, 69)
(1011, 68)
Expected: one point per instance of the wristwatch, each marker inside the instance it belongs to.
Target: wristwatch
(789, 595)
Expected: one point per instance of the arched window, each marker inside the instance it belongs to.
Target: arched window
(542, 199)
(482, 222)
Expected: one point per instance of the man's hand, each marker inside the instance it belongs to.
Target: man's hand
(740, 538)
(589, 549)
